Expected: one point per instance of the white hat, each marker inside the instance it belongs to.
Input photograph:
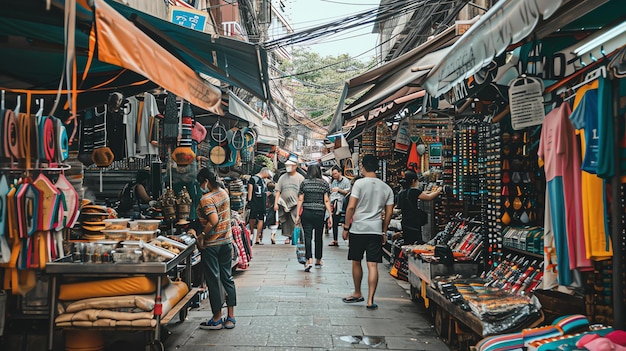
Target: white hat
(290, 163)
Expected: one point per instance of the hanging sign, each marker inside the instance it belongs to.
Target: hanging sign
(189, 18)
(403, 139)
(526, 102)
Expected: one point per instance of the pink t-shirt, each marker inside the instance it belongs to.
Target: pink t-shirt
(557, 141)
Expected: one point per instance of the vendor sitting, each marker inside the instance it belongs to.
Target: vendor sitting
(134, 196)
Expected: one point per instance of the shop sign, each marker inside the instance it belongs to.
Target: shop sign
(505, 23)
(403, 139)
(190, 18)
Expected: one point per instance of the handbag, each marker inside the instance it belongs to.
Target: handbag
(300, 248)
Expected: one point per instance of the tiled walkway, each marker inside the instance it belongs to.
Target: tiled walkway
(281, 307)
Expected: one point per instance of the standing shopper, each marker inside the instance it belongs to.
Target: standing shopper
(313, 201)
(366, 227)
(407, 202)
(215, 244)
(339, 188)
(287, 189)
(257, 197)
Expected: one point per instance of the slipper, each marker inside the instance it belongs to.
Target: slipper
(353, 299)
(333, 244)
(372, 307)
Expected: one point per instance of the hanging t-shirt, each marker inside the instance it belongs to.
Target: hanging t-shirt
(606, 125)
(148, 111)
(585, 117)
(116, 133)
(556, 149)
(131, 112)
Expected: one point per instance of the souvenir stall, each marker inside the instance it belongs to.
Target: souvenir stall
(549, 200)
(51, 239)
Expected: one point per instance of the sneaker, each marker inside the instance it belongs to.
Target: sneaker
(229, 323)
(210, 324)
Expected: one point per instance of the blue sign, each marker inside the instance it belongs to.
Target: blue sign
(189, 18)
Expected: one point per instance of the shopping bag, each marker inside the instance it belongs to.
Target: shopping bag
(297, 235)
(299, 242)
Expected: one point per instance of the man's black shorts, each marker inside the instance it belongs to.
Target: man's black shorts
(371, 244)
(258, 214)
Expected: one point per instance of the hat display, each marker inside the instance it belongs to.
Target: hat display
(183, 156)
(198, 133)
(102, 156)
(217, 155)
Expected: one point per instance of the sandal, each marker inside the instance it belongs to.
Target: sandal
(287, 241)
(258, 243)
(353, 299)
(372, 307)
(229, 323)
(333, 243)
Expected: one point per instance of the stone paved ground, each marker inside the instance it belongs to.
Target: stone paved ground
(281, 307)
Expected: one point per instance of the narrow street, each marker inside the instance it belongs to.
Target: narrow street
(280, 307)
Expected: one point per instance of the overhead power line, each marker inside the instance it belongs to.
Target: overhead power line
(381, 13)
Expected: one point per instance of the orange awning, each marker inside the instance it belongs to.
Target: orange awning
(122, 44)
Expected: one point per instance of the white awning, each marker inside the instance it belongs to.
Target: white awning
(506, 23)
(267, 133)
(237, 107)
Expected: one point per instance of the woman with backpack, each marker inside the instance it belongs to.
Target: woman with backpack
(413, 218)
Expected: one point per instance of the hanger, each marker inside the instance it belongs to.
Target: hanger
(39, 103)
(589, 77)
(2, 100)
(18, 105)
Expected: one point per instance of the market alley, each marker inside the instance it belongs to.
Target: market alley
(280, 307)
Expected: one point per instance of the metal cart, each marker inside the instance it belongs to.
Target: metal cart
(65, 267)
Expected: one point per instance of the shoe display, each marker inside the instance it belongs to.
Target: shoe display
(210, 324)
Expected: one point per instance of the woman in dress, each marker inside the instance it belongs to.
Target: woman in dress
(313, 202)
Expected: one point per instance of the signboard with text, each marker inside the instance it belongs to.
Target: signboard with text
(190, 18)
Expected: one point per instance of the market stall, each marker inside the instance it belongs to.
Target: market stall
(527, 132)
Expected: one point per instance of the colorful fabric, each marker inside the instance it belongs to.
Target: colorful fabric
(216, 202)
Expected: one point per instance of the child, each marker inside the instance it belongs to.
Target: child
(271, 218)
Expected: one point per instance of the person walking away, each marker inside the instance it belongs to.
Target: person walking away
(214, 240)
(407, 202)
(313, 201)
(257, 197)
(287, 189)
(367, 218)
(339, 188)
(271, 218)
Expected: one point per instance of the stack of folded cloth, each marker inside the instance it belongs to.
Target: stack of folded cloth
(120, 302)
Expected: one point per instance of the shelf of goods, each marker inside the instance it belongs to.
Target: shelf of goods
(169, 299)
(498, 301)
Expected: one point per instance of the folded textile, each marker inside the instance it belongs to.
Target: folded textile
(107, 287)
(84, 313)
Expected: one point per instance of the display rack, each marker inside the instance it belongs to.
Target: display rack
(65, 267)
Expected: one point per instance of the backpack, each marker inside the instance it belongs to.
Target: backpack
(128, 199)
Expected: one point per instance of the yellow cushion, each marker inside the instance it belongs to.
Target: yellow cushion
(107, 287)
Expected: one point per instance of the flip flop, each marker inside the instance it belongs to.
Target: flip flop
(372, 307)
(353, 299)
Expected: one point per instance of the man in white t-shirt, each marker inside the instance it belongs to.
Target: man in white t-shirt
(366, 227)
